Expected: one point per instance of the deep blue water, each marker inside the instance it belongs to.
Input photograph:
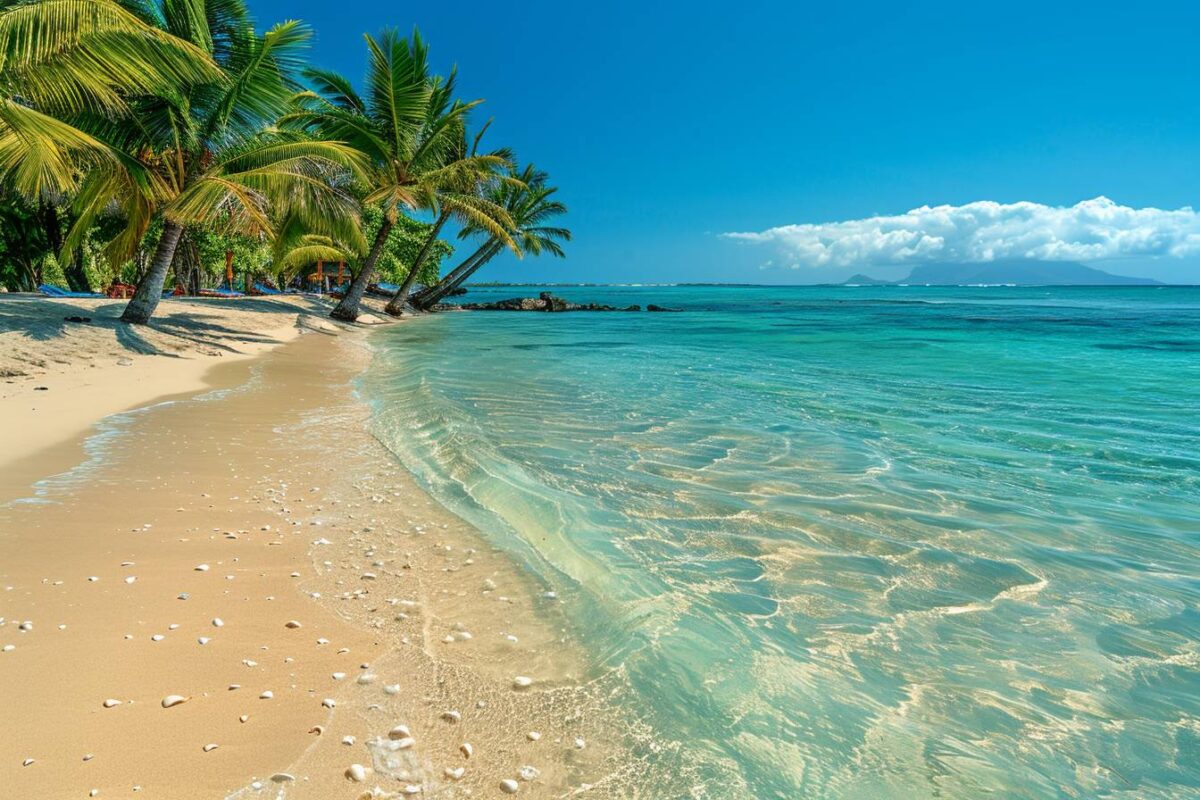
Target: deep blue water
(847, 542)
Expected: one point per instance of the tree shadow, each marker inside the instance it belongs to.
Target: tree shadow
(200, 323)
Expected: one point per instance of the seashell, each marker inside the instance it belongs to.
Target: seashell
(131, 579)
(204, 640)
(233, 687)
(201, 568)
(27, 762)
(158, 637)
(455, 773)
(283, 777)
(317, 729)
(580, 744)
(92, 579)
(174, 700)
(533, 736)
(174, 626)
(411, 788)
(218, 622)
(322, 641)
(328, 702)
(528, 773)
(392, 688)
(356, 773)
(403, 743)
(509, 786)
(365, 678)
(208, 748)
(452, 716)
(110, 702)
(348, 740)
(267, 695)
(522, 682)
(337, 676)
(466, 749)
(291, 623)
(243, 718)
(399, 732)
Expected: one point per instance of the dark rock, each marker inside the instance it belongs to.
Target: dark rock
(652, 307)
(77, 319)
(544, 302)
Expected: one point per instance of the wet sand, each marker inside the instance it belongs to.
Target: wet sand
(255, 539)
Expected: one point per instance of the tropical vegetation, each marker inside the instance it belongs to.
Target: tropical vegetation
(142, 140)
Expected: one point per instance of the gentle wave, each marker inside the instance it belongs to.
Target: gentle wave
(902, 542)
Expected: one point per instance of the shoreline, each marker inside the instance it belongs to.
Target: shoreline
(380, 605)
(58, 379)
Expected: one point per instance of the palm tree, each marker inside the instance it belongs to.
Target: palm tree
(62, 57)
(209, 154)
(405, 127)
(457, 189)
(530, 204)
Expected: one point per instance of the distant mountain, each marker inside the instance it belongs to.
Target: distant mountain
(1024, 272)
(865, 280)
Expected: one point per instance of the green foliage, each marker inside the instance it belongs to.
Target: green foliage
(250, 253)
(23, 245)
(402, 246)
(119, 115)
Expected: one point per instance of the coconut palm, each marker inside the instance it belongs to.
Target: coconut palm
(530, 204)
(461, 194)
(61, 57)
(406, 126)
(209, 154)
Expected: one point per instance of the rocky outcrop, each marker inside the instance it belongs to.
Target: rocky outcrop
(545, 302)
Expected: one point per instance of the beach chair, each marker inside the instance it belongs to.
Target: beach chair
(262, 288)
(220, 293)
(54, 291)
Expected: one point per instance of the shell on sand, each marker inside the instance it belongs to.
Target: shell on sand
(174, 700)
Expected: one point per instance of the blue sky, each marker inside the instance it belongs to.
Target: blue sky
(667, 125)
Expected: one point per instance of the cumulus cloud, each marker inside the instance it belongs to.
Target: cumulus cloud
(988, 231)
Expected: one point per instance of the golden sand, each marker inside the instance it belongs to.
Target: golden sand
(173, 560)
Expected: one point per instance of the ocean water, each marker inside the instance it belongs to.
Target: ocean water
(846, 542)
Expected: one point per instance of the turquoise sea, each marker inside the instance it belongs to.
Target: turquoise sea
(846, 542)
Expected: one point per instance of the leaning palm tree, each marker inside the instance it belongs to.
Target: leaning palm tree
(455, 187)
(61, 57)
(530, 204)
(404, 126)
(209, 153)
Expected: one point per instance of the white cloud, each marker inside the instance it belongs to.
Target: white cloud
(988, 231)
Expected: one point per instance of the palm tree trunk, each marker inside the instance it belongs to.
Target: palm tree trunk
(395, 306)
(426, 298)
(149, 290)
(347, 309)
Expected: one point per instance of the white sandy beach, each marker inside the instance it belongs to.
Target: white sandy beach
(330, 628)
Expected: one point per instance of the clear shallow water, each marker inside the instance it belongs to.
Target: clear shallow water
(847, 542)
